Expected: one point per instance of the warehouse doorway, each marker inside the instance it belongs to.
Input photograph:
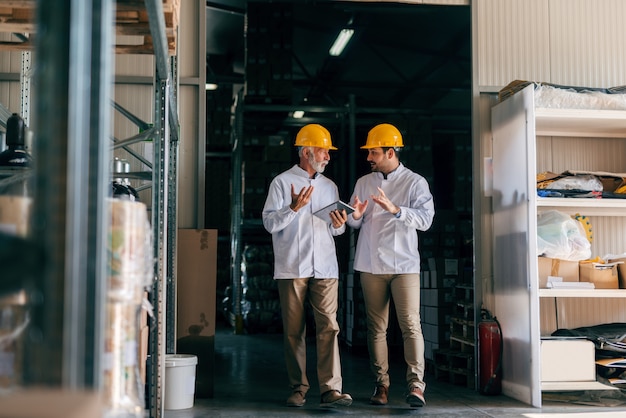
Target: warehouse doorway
(409, 65)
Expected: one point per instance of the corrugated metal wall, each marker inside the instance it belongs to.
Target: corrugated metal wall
(511, 41)
(138, 100)
(587, 42)
(597, 154)
(571, 42)
(134, 65)
(568, 42)
(10, 68)
(192, 115)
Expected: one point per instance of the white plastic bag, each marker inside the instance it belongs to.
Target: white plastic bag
(578, 182)
(560, 236)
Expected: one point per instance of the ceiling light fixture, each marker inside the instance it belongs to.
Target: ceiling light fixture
(340, 43)
(210, 86)
(298, 114)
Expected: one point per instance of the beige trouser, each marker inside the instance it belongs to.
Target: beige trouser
(405, 291)
(322, 295)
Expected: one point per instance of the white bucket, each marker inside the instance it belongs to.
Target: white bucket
(180, 380)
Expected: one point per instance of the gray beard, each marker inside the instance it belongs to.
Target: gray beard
(317, 166)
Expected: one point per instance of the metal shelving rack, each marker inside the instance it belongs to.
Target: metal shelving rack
(72, 122)
(237, 138)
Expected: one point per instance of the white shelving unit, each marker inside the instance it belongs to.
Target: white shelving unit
(528, 141)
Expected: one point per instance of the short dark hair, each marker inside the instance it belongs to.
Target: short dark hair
(395, 149)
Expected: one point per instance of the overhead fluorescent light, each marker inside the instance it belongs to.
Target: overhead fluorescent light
(340, 43)
(298, 114)
(210, 86)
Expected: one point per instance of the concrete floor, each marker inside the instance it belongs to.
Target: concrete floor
(250, 381)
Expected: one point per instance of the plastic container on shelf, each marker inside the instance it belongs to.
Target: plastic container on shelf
(180, 381)
(120, 186)
(14, 320)
(15, 155)
(15, 160)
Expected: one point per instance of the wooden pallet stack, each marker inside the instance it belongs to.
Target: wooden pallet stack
(132, 25)
(131, 19)
(456, 363)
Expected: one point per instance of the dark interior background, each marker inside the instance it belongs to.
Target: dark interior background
(407, 64)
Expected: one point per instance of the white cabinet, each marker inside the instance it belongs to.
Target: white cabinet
(527, 141)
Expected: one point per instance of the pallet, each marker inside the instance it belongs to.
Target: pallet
(132, 25)
(455, 367)
(131, 19)
(464, 307)
(462, 328)
(461, 344)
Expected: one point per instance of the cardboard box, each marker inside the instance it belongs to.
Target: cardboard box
(603, 276)
(566, 269)
(568, 360)
(51, 403)
(621, 271)
(196, 303)
(15, 215)
(144, 334)
(195, 284)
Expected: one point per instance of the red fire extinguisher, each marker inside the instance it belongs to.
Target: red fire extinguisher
(489, 354)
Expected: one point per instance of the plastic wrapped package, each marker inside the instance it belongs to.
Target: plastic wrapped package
(130, 273)
(547, 96)
(14, 320)
(15, 210)
(560, 236)
(130, 251)
(578, 182)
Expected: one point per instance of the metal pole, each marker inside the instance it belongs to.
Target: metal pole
(236, 214)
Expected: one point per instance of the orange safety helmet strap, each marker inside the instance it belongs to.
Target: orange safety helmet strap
(314, 135)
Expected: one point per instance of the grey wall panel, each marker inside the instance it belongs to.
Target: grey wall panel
(134, 65)
(572, 42)
(511, 41)
(587, 42)
(192, 115)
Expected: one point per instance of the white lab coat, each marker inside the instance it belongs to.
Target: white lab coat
(386, 244)
(303, 243)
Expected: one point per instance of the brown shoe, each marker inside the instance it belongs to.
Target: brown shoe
(334, 398)
(380, 395)
(415, 398)
(296, 399)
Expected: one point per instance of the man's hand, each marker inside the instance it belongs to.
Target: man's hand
(300, 200)
(338, 218)
(359, 208)
(384, 202)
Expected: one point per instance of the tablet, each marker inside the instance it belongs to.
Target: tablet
(324, 213)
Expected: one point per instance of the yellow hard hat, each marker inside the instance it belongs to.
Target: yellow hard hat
(314, 135)
(382, 136)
